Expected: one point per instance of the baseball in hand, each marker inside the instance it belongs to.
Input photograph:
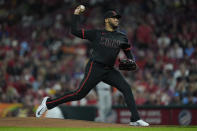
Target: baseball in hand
(82, 8)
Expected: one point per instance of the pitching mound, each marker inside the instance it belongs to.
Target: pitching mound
(46, 122)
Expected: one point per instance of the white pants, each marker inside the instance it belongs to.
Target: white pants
(105, 101)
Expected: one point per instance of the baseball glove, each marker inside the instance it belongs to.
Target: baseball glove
(127, 64)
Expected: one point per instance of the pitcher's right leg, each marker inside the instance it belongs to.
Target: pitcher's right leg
(93, 75)
(89, 81)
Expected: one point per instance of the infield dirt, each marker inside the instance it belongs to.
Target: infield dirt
(46, 122)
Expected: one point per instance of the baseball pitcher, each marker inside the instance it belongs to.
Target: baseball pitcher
(106, 45)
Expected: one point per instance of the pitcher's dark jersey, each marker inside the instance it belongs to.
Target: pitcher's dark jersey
(106, 45)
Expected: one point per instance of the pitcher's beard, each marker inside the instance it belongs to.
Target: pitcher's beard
(113, 26)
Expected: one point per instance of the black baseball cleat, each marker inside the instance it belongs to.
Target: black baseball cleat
(42, 108)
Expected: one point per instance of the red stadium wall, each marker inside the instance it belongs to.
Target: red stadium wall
(155, 115)
(166, 116)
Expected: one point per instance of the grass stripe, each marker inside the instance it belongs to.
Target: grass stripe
(193, 128)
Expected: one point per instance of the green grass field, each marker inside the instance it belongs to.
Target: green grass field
(170, 128)
(46, 124)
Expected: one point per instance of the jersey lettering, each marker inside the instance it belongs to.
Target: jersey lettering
(110, 42)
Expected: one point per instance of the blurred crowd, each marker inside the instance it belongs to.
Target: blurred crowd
(39, 57)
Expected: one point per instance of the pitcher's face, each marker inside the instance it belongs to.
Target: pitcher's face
(114, 22)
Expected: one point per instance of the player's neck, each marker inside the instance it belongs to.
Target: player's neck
(109, 28)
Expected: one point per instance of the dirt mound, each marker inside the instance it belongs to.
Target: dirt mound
(46, 122)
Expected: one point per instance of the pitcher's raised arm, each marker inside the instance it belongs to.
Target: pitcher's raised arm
(80, 32)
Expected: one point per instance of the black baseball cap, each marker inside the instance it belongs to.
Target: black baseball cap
(112, 14)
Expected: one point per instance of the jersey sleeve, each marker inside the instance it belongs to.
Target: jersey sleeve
(125, 44)
(81, 32)
(126, 47)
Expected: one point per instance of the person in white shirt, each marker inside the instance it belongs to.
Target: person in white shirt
(104, 101)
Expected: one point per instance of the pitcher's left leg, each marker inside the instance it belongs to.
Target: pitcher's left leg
(114, 78)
